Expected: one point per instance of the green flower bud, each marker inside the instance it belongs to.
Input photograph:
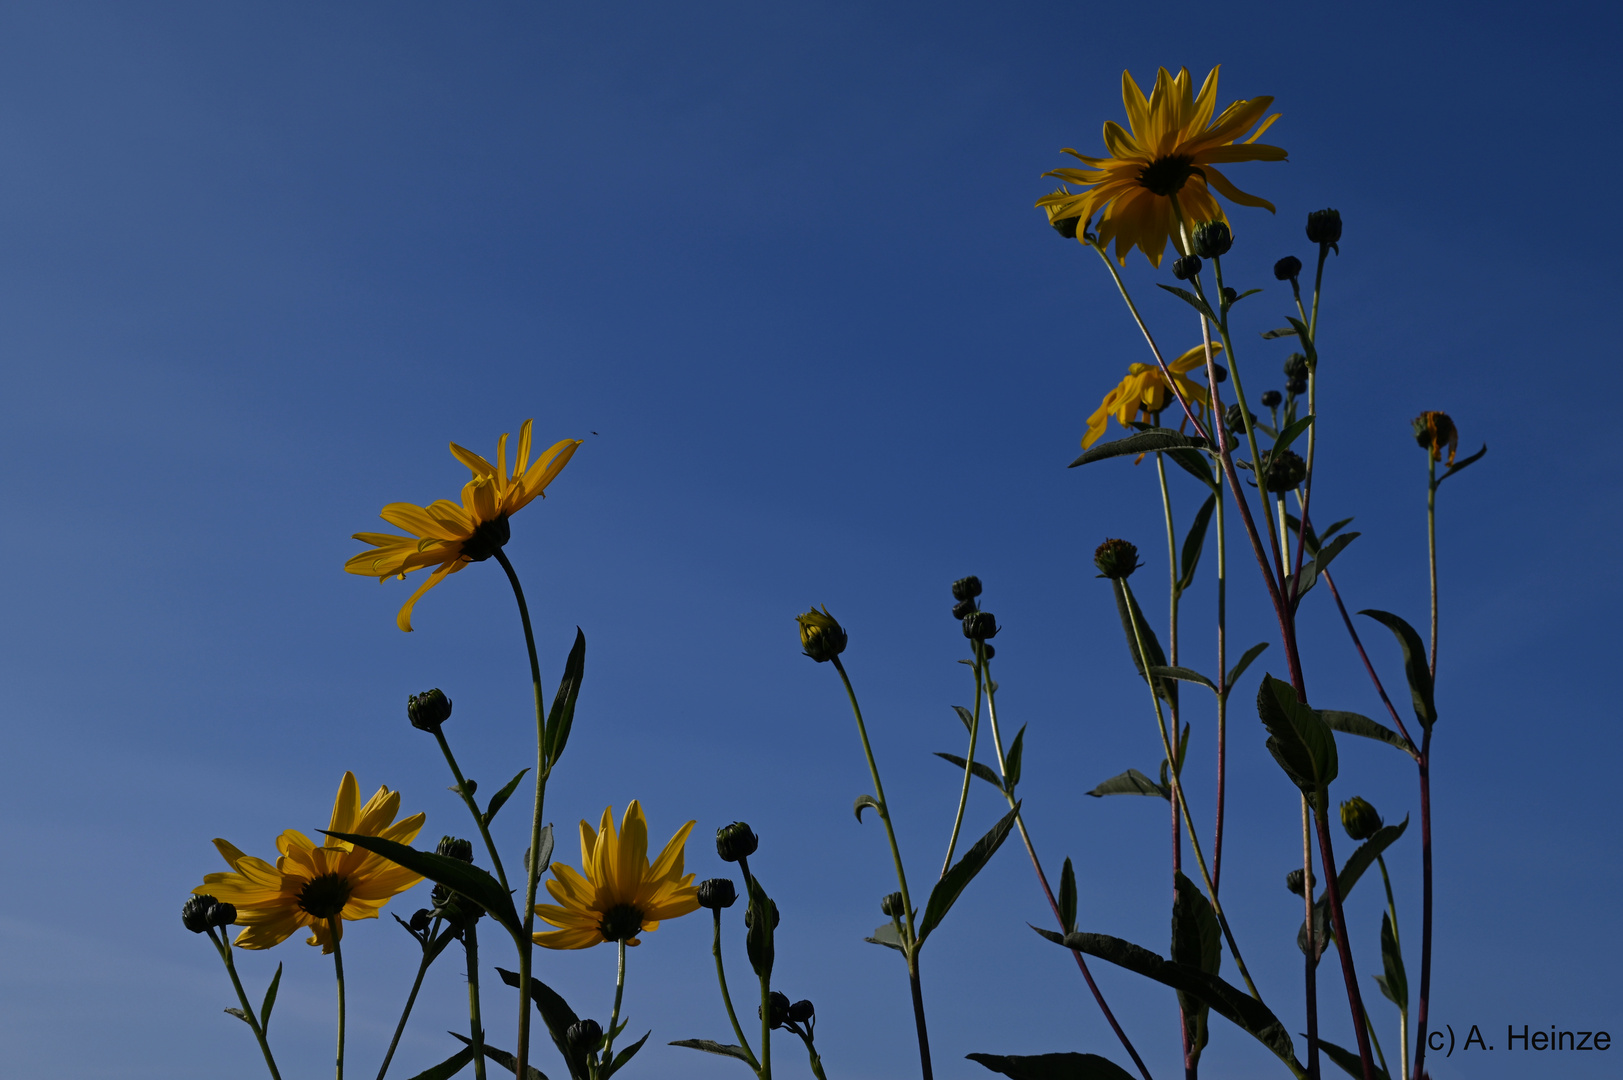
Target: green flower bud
(222, 914)
(1116, 559)
(1360, 819)
(821, 636)
(428, 710)
(584, 1036)
(1288, 268)
(1324, 226)
(780, 1009)
(194, 913)
(1186, 267)
(1271, 399)
(452, 848)
(892, 906)
(1285, 471)
(1435, 430)
(1295, 366)
(980, 625)
(1213, 239)
(749, 915)
(735, 841)
(963, 609)
(801, 1011)
(1296, 387)
(966, 588)
(1235, 420)
(1293, 881)
(717, 893)
(1230, 294)
(420, 920)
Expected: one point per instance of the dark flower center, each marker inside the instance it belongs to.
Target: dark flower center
(325, 896)
(1166, 176)
(487, 539)
(620, 922)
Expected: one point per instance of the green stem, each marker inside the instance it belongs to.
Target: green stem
(1177, 794)
(765, 974)
(1310, 966)
(969, 764)
(1431, 549)
(619, 993)
(811, 1051)
(1222, 683)
(532, 868)
(476, 1026)
(335, 930)
(473, 808)
(1174, 590)
(411, 999)
(222, 945)
(1397, 942)
(727, 998)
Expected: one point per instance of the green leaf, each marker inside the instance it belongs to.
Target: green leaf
(1414, 664)
(1194, 540)
(1192, 463)
(985, 772)
(1458, 465)
(1356, 724)
(546, 848)
(865, 801)
(1067, 897)
(1346, 878)
(954, 881)
(1307, 341)
(1236, 1006)
(1396, 982)
(562, 715)
(710, 1046)
(1196, 942)
(437, 946)
(1350, 1061)
(1192, 300)
(1308, 576)
(506, 1060)
(621, 1058)
(1127, 607)
(1185, 675)
(1011, 760)
(465, 878)
(557, 1015)
(1245, 661)
(240, 1015)
(1142, 443)
(888, 936)
(1242, 296)
(1131, 782)
(1283, 331)
(269, 1003)
(1068, 1066)
(758, 940)
(965, 715)
(449, 1067)
(1302, 743)
(1289, 435)
(500, 798)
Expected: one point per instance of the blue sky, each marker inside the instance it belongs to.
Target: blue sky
(259, 264)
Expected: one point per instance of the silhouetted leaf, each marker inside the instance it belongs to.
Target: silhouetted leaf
(1011, 760)
(1131, 782)
(506, 1060)
(1244, 662)
(1283, 331)
(1185, 675)
(621, 1058)
(1289, 435)
(1462, 463)
(954, 881)
(1350, 1061)
(1356, 724)
(449, 1067)
(561, 717)
(1067, 897)
(1069, 1066)
(269, 1002)
(1129, 611)
(1194, 540)
(1351, 870)
(1414, 664)
(865, 801)
(500, 798)
(240, 1015)
(710, 1046)
(965, 715)
(889, 937)
(557, 1015)
(1191, 299)
(1141, 443)
(758, 939)
(1196, 942)
(465, 878)
(1396, 982)
(1302, 743)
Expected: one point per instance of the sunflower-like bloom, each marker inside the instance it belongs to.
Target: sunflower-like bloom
(619, 895)
(1145, 388)
(1170, 152)
(309, 884)
(454, 536)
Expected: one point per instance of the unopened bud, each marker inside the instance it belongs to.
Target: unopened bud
(980, 626)
(735, 841)
(1296, 387)
(717, 893)
(1359, 818)
(1324, 226)
(801, 1011)
(222, 914)
(1186, 267)
(780, 1009)
(1295, 366)
(966, 588)
(1116, 559)
(1285, 471)
(821, 635)
(1271, 399)
(892, 905)
(453, 848)
(194, 913)
(583, 1036)
(428, 710)
(962, 608)
(1288, 268)
(420, 920)
(1213, 239)
(1293, 881)
(1235, 419)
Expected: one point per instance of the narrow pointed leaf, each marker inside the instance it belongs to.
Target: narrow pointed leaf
(269, 1002)
(863, 802)
(1350, 1061)
(1196, 942)
(1283, 331)
(1193, 463)
(1129, 611)
(1396, 980)
(1306, 338)
(1356, 724)
(985, 772)
(1067, 897)
(476, 884)
(506, 1060)
(1131, 782)
(1414, 664)
(1011, 760)
(240, 1015)
(1245, 661)
(449, 1067)
(888, 936)
(1351, 871)
(1185, 675)
(758, 939)
(1067, 1066)
(965, 715)
(622, 1057)
(1311, 570)
(1194, 541)
(954, 881)
(1458, 465)
(557, 1015)
(561, 717)
(1141, 443)
(1191, 299)
(500, 798)
(1289, 435)
(710, 1046)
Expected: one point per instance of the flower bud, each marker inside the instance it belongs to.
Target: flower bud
(1295, 366)
(1230, 294)
(222, 914)
(1186, 267)
(966, 588)
(1213, 239)
(1222, 372)
(584, 1036)
(801, 1011)
(1293, 881)
(428, 710)
(1116, 559)
(988, 651)
(962, 608)
(194, 913)
(717, 893)
(1065, 226)
(1435, 430)
(780, 1009)
(1324, 226)
(1271, 399)
(749, 915)
(821, 636)
(1297, 387)
(892, 905)
(452, 848)
(1288, 268)
(1360, 819)
(735, 841)
(1285, 471)
(980, 626)
(1235, 421)
(420, 920)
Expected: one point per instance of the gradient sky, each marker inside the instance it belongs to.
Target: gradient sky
(778, 265)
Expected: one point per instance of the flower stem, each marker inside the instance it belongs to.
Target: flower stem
(532, 869)
(727, 998)
(1310, 965)
(473, 808)
(1222, 682)
(619, 993)
(335, 930)
(476, 1026)
(1338, 924)
(411, 999)
(969, 763)
(811, 1051)
(1397, 942)
(1424, 1007)
(1042, 878)
(1431, 549)
(223, 946)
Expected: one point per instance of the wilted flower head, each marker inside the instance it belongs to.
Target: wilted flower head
(1435, 430)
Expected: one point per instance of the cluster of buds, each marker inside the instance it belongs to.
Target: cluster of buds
(203, 911)
(449, 904)
(793, 1015)
(1284, 472)
(978, 625)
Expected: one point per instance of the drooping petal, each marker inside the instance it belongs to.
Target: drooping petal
(403, 619)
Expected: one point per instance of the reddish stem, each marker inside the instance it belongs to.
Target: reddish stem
(1425, 903)
(1338, 922)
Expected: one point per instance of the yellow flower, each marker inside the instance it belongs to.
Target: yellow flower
(309, 884)
(454, 536)
(1146, 388)
(1171, 151)
(620, 894)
